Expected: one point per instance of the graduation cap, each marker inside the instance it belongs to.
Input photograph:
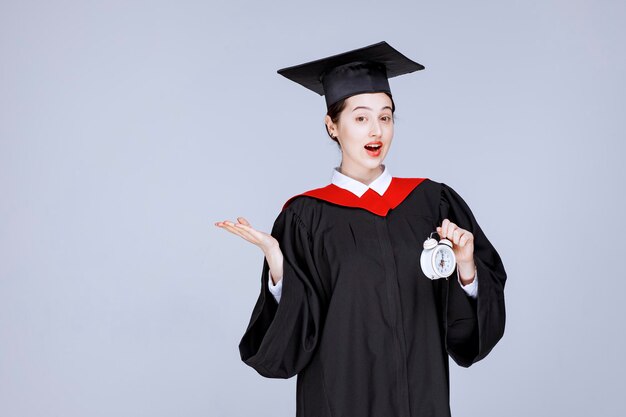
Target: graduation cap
(363, 70)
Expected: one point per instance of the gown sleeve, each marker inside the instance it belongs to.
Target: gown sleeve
(282, 337)
(473, 326)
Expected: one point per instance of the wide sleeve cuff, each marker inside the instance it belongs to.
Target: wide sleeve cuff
(472, 288)
(277, 289)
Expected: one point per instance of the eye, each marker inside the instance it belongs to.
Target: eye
(361, 118)
(386, 118)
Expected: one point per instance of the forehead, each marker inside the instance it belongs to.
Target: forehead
(375, 101)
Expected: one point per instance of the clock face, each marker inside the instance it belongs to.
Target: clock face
(444, 261)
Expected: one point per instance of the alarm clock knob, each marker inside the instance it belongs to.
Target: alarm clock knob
(446, 242)
(430, 243)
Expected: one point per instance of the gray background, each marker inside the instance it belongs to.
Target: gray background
(127, 128)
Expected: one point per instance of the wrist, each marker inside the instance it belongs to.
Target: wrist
(272, 250)
(467, 272)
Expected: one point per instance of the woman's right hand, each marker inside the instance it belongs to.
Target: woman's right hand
(263, 240)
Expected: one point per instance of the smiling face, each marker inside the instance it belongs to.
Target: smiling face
(364, 131)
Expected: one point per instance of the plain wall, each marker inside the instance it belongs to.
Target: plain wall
(127, 128)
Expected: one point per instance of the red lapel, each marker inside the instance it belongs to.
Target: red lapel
(398, 190)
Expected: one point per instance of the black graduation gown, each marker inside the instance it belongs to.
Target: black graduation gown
(367, 333)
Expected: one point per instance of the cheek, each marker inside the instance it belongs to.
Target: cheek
(353, 144)
(352, 132)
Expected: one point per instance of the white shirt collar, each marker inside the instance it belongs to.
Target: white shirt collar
(380, 184)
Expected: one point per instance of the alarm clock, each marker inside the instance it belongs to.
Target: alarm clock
(437, 259)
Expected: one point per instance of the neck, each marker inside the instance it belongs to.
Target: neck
(361, 174)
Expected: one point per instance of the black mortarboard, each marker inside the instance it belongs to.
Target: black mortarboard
(363, 70)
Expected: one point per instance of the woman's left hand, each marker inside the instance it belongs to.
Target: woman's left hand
(463, 247)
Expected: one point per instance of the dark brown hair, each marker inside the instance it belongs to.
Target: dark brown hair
(336, 108)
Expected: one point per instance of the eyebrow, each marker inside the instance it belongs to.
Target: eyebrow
(368, 108)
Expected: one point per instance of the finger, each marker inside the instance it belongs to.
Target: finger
(243, 221)
(229, 223)
(249, 234)
(448, 228)
(231, 228)
(442, 228)
(462, 239)
(468, 236)
(456, 234)
(243, 226)
(247, 229)
(221, 225)
(255, 236)
(441, 232)
(224, 223)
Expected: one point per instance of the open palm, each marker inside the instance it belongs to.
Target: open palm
(243, 228)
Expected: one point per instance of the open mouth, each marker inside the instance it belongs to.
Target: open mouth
(373, 148)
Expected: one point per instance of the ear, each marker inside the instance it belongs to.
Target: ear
(330, 125)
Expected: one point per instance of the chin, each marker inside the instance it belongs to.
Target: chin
(373, 164)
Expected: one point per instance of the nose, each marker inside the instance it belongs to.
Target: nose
(375, 129)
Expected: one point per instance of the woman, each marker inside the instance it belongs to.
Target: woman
(344, 303)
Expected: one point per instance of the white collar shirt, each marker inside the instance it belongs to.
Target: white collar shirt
(380, 184)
